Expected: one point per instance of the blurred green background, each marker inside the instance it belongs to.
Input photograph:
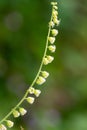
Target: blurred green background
(23, 31)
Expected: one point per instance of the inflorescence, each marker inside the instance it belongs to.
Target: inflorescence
(41, 75)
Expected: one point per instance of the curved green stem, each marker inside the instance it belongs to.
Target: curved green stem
(34, 81)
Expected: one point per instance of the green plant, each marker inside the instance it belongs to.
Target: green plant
(41, 74)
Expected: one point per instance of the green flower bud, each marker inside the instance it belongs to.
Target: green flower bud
(53, 3)
(16, 113)
(55, 13)
(52, 48)
(37, 92)
(40, 80)
(55, 7)
(9, 123)
(51, 39)
(30, 100)
(22, 111)
(51, 24)
(31, 90)
(45, 61)
(50, 58)
(45, 74)
(54, 32)
(2, 127)
(56, 21)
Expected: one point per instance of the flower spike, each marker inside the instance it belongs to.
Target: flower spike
(41, 76)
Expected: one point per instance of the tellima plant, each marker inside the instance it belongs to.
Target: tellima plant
(41, 76)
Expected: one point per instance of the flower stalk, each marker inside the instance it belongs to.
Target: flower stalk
(41, 76)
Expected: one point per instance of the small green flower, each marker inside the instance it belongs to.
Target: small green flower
(51, 24)
(45, 74)
(53, 3)
(22, 111)
(2, 127)
(50, 58)
(55, 13)
(52, 48)
(51, 39)
(55, 7)
(31, 90)
(37, 92)
(54, 32)
(56, 21)
(16, 113)
(40, 80)
(9, 123)
(30, 100)
(45, 61)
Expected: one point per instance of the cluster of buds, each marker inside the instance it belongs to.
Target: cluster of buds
(41, 79)
(48, 59)
(16, 113)
(54, 32)
(51, 39)
(21, 111)
(34, 91)
(55, 20)
(9, 124)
